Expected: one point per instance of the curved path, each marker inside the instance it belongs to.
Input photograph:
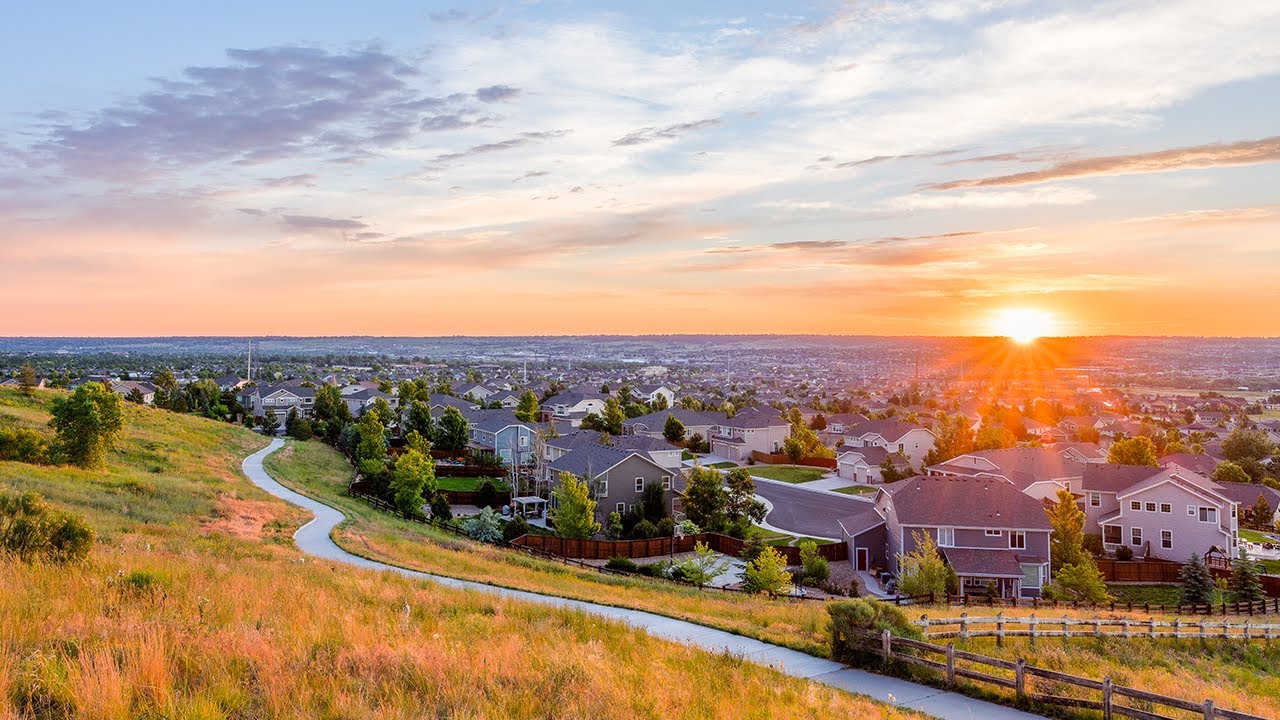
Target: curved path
(314, 539)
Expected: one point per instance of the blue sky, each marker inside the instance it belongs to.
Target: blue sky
(559, 167)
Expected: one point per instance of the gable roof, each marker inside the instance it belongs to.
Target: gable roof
(1022, 466)
(655, 421)
(1246, 494)
(1199, 464)
(889, 429)
(939, 501)
(593, 460)
(1105, 477)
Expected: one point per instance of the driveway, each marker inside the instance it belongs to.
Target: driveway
(806, 512)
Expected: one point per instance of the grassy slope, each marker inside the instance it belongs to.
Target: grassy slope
(788, 473)
(233, 622)
(319, 471)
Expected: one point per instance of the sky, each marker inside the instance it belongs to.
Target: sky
(411, 168)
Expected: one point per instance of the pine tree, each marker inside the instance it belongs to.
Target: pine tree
(270, 423)
(1262, 512)
(1066, 543)
(1244, 586)
(1197, 583)
(27, 379)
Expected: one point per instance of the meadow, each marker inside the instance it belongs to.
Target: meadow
(195, 604)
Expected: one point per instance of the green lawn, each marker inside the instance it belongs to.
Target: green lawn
(686, 455)
(724, 465)
(1138, 594)
(469, 484)
(788, 473)
(856, 489)
(1254, 536)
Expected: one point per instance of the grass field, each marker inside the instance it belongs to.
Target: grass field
(195, 604)
(1254, 536)
(856, 489)
(470, 484)
(794, 474)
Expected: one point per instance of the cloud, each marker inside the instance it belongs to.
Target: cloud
(532, 174)
(314, 222)
(303, 180)
(509, 144)
(888, 158)
(651, 134)
(991, 199)
(1246, 152)
(496, 93)
(449, 16)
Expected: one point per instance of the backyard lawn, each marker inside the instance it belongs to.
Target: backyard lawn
(723, 465)
(856, 489)
(469, 484)
(1254, 536)
(788, 473)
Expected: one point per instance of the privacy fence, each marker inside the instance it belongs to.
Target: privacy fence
(1158, 572)
(654, 547)
(784, 459)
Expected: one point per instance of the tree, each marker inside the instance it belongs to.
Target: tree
(1081, 582)
(440, 509)
(814, 568)
(922, 571)
(527, 407)
(30, 530)
(653, 502)
(954, 437)
(889, 468)
(1228, 471)
(1245, 444)
(166, 386)
(135, 396)
(1197, 583)
(514, 528)
(420, 420)
(384, 412)
(660, 403)
(994, 437)
(809, 443)
(27, 379)
(705, 565)
(1244, 586)
(1066, 543)
(296, 426)
(575, 513)
(270, 423)
(1133, 451)
(1262, 512)
(793, 449)
(330, 406)
(483, 526)
(753, 544)
(86, 424)
(412, 482)
(613, 416)
(451, 431)
(673, 430)
(615, 529)
(705, 499)
(768, 573)
(741, 506)
(370, 450)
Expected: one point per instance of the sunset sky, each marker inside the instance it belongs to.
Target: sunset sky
(561, 167)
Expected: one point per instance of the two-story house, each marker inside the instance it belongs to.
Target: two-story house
(651, 393)
(910, 439)
(572, 406)
(657, 449)
(361, 400)
(617, 476)
(985, 529)
(864, 464)
(1037, 472)
(500, 433)
(280, 398)
(696, 422)
(751, 430)
(1165, 513)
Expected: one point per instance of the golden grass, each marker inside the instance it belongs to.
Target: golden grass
(172, 618)
(319, 471)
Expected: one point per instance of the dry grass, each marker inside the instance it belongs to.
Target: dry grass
(172, 617)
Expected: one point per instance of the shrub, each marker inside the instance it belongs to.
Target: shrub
(768, 573)
(1124, 552)
(855, 623)
(658, 569)
(622, 564)
(666, 527)
(31, 530)
(753, 544)
(23, 445)
(483, 526)
(814, 568)
(487, 494)
(514, 528)
(143, 584)
(440, 509)
(644, 530)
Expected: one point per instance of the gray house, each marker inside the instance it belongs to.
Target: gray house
(618, 476)
(985, 529)
(500, 433)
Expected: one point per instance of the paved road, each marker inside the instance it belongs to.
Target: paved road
(313, 538)
(806, 512)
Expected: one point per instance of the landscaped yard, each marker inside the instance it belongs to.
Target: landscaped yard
(788, 473)
(856, 489)
(1254, 536)
(470, 484)
(724, 465)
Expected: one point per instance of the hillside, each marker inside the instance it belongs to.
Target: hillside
(195, 604)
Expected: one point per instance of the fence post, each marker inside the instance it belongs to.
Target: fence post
(1151, 627)
(1033, 626)
(886, 645)
(1097, 626)
(1000, 629)
(1177, 628)
(951, 663)
(1125, 632)
(1246, 630)
(964, 625)
(1226, 628)
(1106, 698)
(1208, 710)
(1020, 678)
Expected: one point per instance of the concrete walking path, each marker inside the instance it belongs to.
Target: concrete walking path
(314, 539)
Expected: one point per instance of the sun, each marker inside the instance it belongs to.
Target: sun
(1023, 325)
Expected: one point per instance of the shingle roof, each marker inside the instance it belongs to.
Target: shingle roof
(891, 430)
(1247, 493)
(1024, 465)
(1105, 477)
(590, 461)
(985, 563)
(936, 501)
(860, 521)
(655, 421)
(1199, 464)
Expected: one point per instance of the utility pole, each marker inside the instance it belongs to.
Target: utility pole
(249, 367)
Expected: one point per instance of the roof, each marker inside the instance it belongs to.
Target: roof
(1247, 493)
(754, 418)
(1021, 465)
(861, 521)
(435, 400)
(939, 501)
(1166, 474)
(1199, 464)
(1105, 477)
(590, 461)
(985, 563)
(891, 430)
(571, 397)
(656, 421)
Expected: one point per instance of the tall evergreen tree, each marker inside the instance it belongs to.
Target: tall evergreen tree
(673, 430)
(27, 379)
(270, 423)
(1244, 586)
(1197, 582)
(1066, 543)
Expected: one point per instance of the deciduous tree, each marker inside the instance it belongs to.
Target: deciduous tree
(1228, 471)
(705, 565)
(705, 499)
(1133, 451)
(451, 431)
(575, 513)
(673, 430)
(768, 573)
(527, 407)
(413, 481)
(86, 424)
(922, 570)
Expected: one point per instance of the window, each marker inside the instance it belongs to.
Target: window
(639, 484)
(1095, 499)
(1208, 515)
(993, 533)
(946, 537)
(666, 482)
(1111, 534)
(1166, 539)
(1135, 505)
(524, 441)
(1135, 536)
(900, 447)
(1166, 508)
(602, 488)
(1017, 540)
(621, 508)
(1151, 507)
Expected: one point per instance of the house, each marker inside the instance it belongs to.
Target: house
(617, 476)
(361, 400)
(500, 433)
(279, 398)
(1073, 424)
(910, 439)
(1036, 472)
(657, 449)
(437, 404)
(1044, 432)
(838, 422)
(985, 529)
(1245, 495)
(651, 393)
(1142, 507)
(696, 422)
(863, 464)
(573, 405)
(507, 399)
(228, 383)
(147, 390)
(752, 430)
(1199, 464)
(477, 391)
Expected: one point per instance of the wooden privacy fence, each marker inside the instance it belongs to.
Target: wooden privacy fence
(784, 459)
(1000, 627)
(467, 497)
(1161, 572)
(653, 547)
(1269, 606)
(1110, 695)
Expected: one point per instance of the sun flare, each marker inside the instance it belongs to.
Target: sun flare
(1023, 325)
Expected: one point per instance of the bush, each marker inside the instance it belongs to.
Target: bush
(31, 530)
(644, 530)
(1124, 552)
(23, 445)
(666, 527)
(514, 528)
(658, 569)
(622, 564)
(440, 509)
(487, 495)
(484, 526)
(855, 625)
(814, 568)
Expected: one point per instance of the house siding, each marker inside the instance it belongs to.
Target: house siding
(1189, 534)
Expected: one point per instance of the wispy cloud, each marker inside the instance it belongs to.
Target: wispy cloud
(670, 132)
(992, 199)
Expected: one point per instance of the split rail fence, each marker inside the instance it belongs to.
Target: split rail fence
(1000, 627)
(1269, 606)
(1111, 697)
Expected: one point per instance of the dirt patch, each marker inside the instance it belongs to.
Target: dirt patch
(242, 518)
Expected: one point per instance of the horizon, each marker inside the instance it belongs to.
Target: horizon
(919, 169)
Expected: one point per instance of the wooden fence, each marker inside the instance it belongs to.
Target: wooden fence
(1000, 627)
(1270, 606)
(654, 547)
(467, 497)
(1162, 572)
(784, 459)
(1111, 695)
